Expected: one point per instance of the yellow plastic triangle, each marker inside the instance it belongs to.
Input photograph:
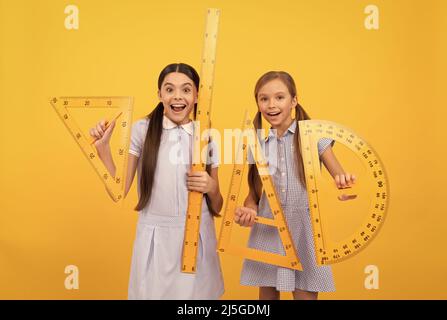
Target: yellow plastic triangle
(290, 258)
(123, 115)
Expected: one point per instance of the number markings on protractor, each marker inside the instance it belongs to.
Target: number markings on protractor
(290, 259)
(193, 215)
(374, 184)
(122, 105)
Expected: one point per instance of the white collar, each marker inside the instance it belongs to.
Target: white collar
(169, 124)
(272, 132)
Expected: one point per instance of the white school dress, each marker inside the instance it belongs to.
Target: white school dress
(155, 271)
(294, 201)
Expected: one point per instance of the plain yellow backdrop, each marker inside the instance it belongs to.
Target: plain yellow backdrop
(387, 85)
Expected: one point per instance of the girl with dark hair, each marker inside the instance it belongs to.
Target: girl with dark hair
(161, 154)
(275, 94)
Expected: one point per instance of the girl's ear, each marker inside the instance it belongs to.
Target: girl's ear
(294, 102)
(159, 95)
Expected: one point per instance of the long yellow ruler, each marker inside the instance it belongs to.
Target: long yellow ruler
(290, 259)
(192, 224)
(123, 107)
(374, 186)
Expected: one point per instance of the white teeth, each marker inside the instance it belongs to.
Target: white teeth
(273, 114)
(178, 107)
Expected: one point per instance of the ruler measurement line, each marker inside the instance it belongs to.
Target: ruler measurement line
(115, 186)
(193, 218)
(290, 258)
(376, 180)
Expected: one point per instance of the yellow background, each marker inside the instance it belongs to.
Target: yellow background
(384, 84)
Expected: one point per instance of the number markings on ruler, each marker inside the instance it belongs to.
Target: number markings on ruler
(290, 259)
(193, 216)
(375, 184)
(115, 186)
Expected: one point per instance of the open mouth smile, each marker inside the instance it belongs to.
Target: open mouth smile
(273, 114)
(178, 107)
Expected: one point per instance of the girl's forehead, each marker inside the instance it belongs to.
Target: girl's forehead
(177, 78)
(273, 86)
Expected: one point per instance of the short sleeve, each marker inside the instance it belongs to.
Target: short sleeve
(323, 144)
(137, 137)
(213, 155)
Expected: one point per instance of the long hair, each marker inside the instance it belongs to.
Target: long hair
(153, 136)
(254, 180)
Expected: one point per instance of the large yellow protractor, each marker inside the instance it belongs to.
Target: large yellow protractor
(123, 115)
(373, 186)
(290, 258)
(192, 224)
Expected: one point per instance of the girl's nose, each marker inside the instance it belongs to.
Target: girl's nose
(177, 95)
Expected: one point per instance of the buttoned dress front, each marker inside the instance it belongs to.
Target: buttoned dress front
(280, 155)
(156, 260)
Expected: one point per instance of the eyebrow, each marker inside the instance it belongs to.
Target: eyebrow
(265, 94)
(171, 84)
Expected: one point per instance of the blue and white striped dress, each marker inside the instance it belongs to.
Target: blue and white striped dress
(294, 201)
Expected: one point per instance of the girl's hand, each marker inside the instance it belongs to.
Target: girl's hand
(102, 134)
(200, 181)
(345, 181)
(245, 216)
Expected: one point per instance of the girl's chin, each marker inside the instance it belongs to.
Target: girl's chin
(274, 122)
(180, 117)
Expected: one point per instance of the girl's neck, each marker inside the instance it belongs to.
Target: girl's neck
(184, 121)
(282, 128)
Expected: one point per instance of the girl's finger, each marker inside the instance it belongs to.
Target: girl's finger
(252, 220)
(196, 173)
(110, 128)
(246, 220)
(97, 135)
(345, 197)
(113, 123)
(237, 211)
(98, 127)
(246, 210)
(237, 214)
(102, 124)
(337, 181)
(196, 184)
(348, 179)
(242, 219)
(193, 178)
(198, 189)
(342, 181)
(352, 180)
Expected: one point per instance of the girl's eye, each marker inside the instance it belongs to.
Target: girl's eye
(168, 89)
(280, 97)
(263, 99)
(187, 90)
